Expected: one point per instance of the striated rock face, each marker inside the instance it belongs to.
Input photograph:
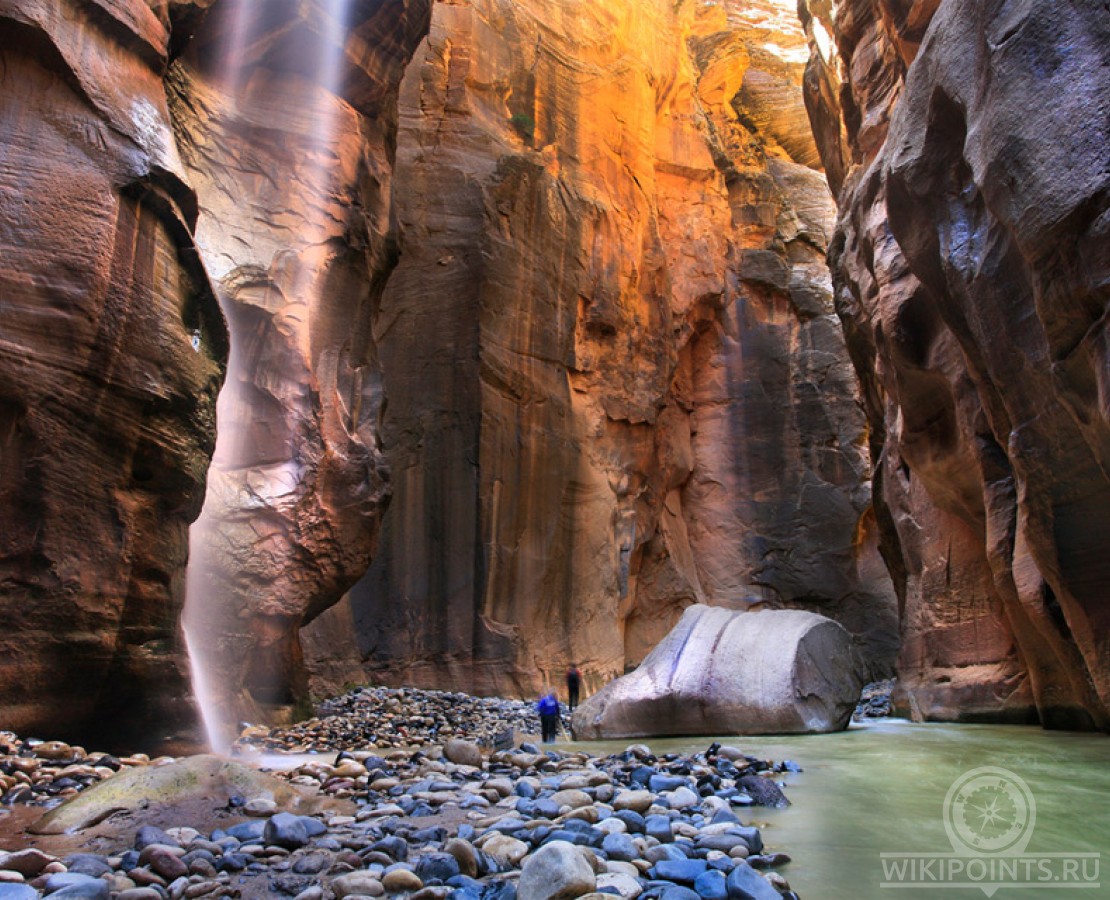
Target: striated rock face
(106, 410)
(723, 672)
(616, 384)
(971, 263)
(285, 115)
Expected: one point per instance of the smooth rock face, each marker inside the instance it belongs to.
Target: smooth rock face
(616, 384)
(293, 171)
(106, 410)
(971, 266)
(723, 672)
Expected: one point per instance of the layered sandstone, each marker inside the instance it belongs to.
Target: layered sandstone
(616, 383)
(106, 409)
(285, 115)
(971, 265)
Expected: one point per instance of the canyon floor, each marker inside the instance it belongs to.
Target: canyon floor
(388, 792)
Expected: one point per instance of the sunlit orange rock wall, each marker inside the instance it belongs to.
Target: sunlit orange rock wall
(106, 411)
(285, 117)
(616, 383)
(971, 267)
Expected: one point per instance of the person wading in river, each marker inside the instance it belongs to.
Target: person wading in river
(574, 682)
(548, 708)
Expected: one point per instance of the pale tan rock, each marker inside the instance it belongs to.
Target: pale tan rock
(721, 672)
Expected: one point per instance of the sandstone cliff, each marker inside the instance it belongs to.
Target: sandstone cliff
(285, 116)
(106, 410)
(616, 384)
(970, 265)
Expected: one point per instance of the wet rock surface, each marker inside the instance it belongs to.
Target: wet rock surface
(523, 823)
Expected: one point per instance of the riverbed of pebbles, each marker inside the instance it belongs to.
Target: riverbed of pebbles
(448, 820)
(378, 717)
(46, 773)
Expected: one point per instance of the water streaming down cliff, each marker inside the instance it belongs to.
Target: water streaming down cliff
(262, 483)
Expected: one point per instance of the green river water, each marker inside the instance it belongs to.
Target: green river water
(880, 788)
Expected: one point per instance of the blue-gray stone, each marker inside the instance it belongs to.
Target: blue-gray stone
(619, 847)
(711, 885)
(565, 834)
(435, 833)
(87, 864)
(247, 832)
(437, 867)
(499, 890)
(641, 775)
(745, 883)
(76, 886)
(525, 789)
(526, 807)
(633, 821)
(394, 847)
(659, 827)
(664, 851)
(661, 782)
(678, 892)
(148, 834)
(683, 870)
(233, 862)
(724, 815)
(313, 826)
(128, 860)
(285, 830)
(751, 837)
(723, 842)
(17, 892)
(464, 882)
(546, 807)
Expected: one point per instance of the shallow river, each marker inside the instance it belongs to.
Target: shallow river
(881, 788)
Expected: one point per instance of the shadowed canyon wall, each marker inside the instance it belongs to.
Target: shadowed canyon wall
(107, 414)
(972, 265)
(616, 383)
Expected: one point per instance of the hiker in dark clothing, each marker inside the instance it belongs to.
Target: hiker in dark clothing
(574, 681)
(548, 708)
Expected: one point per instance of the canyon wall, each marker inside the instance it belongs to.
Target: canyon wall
(285, 114)
(107, 412)
(616, 382)
(970, 150)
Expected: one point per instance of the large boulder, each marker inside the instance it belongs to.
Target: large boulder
(725, 672)
(195, 788)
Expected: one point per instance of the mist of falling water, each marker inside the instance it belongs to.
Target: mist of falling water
(213, 611)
